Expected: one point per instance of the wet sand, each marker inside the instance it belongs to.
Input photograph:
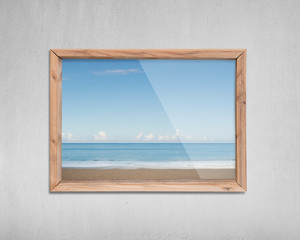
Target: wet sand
(146, 174)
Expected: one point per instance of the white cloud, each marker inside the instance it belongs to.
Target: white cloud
(149, 137)
(139, 136)
(144, 137)
(174, 137)
(189, 137)
(69, 137)
(100, 136)
(116, 72)
(162, 138)
(202, 139)
(177, 136)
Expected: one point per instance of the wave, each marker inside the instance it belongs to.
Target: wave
(228, 164)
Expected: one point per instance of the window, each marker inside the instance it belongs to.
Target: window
(147, 120)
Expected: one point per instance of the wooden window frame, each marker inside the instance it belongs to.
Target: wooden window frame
(59, 185)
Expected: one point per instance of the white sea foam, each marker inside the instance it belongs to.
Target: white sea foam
(150, 164)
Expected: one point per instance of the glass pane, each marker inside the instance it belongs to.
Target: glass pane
(148, 119)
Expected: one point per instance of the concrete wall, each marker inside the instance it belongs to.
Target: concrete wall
(268, 29)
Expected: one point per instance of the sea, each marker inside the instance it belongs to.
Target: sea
(148, 155)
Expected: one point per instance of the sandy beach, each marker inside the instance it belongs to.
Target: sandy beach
(146, 174)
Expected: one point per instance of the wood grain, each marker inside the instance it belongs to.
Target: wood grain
(55, 119)
(149, 53)
(147, 186)
(59, 185)
(241, 168)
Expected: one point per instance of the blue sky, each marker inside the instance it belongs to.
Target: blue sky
(148, 100)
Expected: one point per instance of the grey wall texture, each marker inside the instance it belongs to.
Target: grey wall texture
(268, 29)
